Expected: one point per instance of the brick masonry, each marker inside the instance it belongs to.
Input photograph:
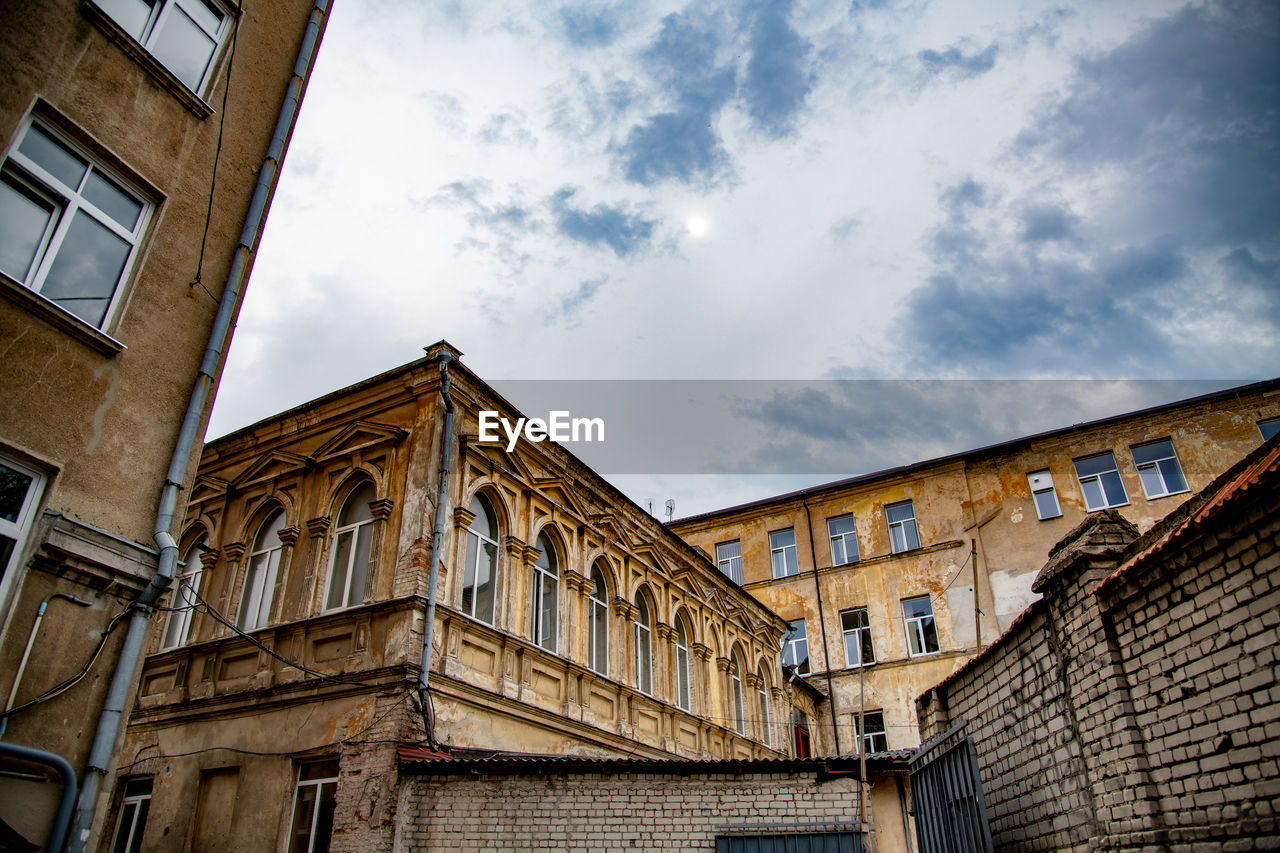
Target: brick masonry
(1139, 709)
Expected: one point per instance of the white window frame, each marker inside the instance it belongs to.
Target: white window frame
(866, 740)
(1042, 493)
(854, 660)
(762, 695)
(178, 629)
(784, 552)
(1155, 471)
(1096, 481)
(684, 674)
(797, 636)
(918, 630)
(598, 623)
(124, 838)
(18, 529)
(319, 784)
(150, 31)
(729, 560)
(904, 533)
(644, 646)
(356, 530)
(1269, 427)
(735, 690)
(545, 577)
(260, 576)
(472, 567)
(69, 202)
(843, 542)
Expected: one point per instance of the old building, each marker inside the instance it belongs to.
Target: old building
(563, 621)
(1135, 706)
(122, 268)
(886, 578)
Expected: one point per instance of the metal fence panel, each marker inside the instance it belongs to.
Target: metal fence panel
(818, 842)
(946, 796)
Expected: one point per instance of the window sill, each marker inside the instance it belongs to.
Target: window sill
(139, 54)
(26, 298)
(1168, 495)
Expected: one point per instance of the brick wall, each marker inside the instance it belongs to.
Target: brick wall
(1139, 708)
(610, 811)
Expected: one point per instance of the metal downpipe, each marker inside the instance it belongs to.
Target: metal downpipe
(437, 542)
(100, 753)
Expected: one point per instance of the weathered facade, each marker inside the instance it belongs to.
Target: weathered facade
(568, 622)
(1135, 705)
(897, 569)
(111, 126)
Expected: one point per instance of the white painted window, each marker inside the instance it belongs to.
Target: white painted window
(546, 594)
(71, 227)
(795, 648)
(1269, 427)
(904, 535)
(855, 625)
(762, 697)
(480, 572)
(1100, 482)
(684, 692)
(844, 540)
(184, 596)
(260, 580)
(184, 35)
(874, 737)
(729, 559)
(782, 548)
(132, 820)
(20, 490)
(314, 802)
(1158, 469)
(735, 687)
(349, 567)
(922, 634)
(598, 623)
(1044, 494)
(644, 646)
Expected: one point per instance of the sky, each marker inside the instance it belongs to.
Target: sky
(866, 190)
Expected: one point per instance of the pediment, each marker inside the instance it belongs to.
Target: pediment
(207, 488)
(357, 436)
(275, 464)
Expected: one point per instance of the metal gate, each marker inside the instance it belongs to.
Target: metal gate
(946, 796)
(790, 838)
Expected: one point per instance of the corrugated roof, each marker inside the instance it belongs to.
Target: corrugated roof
(447, 760)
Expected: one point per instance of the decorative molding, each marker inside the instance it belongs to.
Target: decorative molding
(318, 527)
(381, 508)
(703, 652)
(576, 581)
(234, 551)
(665, 632)
(289, 535)
(725, 665)
(209, 558)
(624, 609)
(462, 517)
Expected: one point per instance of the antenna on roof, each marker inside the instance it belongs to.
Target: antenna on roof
(671, 508)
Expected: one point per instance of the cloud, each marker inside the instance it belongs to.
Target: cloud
(1041, 222)
(509, 128)
(571, 305)
(587, 25)
(954, 60)
(602, 226)
(778, 76)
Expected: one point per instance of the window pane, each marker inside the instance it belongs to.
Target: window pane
(53, 157)
(1152, 452)
(1173, 479)
(484, 582)
(88, 267)
(356, 507)
(1095, 464)
(13, 492)
(1046, 505)
(1151, 482)
(183, 47)
(140, 825)
(1269, 428)
(26, 217)
(341, 559)
(131, 15)
(108, 197)
(900, 512)
(205, 14)
(1114, 488)
(360, 565)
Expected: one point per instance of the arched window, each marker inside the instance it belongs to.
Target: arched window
(598, 623)
(260, 581)
(351, 541)
(480, 575)
(735, 687)
(763, 696)
(546, 594)
(684, 694)
(184, 595)
(644, 645)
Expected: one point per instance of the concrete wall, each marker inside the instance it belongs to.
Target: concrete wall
(1143, 711)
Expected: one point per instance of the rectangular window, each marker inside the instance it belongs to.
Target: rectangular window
(183, 35)
(874, 738)
(782, 547)
(313, 807)
(1158, 469)
(922, 634)
(800, 733)
(1100, 482)
(71, 228)
(729, 559)
(133, 816)
(20, 490)
(795, 648)
(1269, 428)
(855, 624)
(903, 533)
(844, 540)
(1045, 496)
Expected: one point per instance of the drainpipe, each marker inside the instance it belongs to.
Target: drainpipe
(101, 752)
(443, 356)
(26, 652)
(66, 805)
